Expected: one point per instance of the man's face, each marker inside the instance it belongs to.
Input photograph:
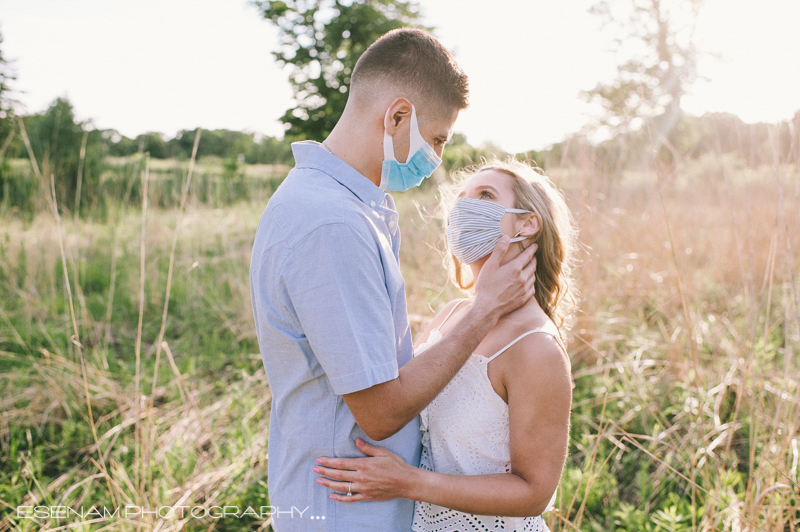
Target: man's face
(436, 130)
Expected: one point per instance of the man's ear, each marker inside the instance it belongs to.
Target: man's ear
(398, 114)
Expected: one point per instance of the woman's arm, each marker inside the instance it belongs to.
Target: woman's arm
(539, 399)
(539, 388)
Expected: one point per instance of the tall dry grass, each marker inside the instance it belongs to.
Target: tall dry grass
(686, 401)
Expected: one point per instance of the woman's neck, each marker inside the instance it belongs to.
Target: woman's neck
(531, 306)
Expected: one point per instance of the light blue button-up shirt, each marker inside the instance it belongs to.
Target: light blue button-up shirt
(330, 312)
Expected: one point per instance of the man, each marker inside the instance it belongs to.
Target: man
(329, 298)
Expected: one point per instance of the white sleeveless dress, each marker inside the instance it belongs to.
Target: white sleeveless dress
(465, 431)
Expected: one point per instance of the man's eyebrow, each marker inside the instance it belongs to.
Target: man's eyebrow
(447, 137)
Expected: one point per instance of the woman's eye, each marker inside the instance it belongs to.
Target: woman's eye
(487, 194)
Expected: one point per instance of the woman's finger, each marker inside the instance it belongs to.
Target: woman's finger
(355, 497)
(337, 474)
(342, 487)
(335, 485)
(340, 463)
(371, 450)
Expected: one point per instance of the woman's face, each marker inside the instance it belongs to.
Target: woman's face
(492, 185)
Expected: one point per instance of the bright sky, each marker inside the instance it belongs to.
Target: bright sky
(155, 65)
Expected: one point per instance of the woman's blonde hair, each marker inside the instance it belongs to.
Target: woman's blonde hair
(556, 237)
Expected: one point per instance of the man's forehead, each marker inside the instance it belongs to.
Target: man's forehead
(444, 133)
(439, 121)
(443, 128)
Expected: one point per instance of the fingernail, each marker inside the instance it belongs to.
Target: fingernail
(315, 470)
(330, 496)
(360, 441)
(319, 460)
(319, 481)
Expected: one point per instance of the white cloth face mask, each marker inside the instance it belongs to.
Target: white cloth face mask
(473, 228)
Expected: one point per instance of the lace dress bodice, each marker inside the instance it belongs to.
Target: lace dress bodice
(465, 431)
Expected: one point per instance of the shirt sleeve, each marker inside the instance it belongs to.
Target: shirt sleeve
(335, 281)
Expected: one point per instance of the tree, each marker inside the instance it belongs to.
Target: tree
(658, 36)
(322, 40)
(57, 140)
(7, 75)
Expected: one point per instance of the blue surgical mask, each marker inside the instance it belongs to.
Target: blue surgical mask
(473, 228)
(421, 162)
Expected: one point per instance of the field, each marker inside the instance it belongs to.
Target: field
(130, 386)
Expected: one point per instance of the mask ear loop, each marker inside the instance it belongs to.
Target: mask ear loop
(519, 240)
(415, 141)
(515, 239)
(388, 145)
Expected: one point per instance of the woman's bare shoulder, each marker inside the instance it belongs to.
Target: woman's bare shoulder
(438, 319)
(539, 356)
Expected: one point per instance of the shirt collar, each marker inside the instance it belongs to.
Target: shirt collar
(311, 154)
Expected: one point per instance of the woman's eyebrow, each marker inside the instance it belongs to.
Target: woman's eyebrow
(482, 187)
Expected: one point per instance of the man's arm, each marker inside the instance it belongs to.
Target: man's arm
(332, 280)
(383, 409)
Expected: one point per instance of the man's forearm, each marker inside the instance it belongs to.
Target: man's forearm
(422, 378)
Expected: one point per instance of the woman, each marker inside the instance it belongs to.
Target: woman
(494, 441)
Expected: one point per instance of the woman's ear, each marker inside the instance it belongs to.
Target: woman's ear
(531, 225)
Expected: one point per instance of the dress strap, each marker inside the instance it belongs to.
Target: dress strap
(523, 335)
(451, 312)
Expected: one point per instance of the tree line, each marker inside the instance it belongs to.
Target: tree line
(55, 133)
(78, 155)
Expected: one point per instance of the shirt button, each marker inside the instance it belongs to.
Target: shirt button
(391, 223)
(371, 203)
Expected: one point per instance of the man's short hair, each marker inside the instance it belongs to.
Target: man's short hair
(414, 60)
